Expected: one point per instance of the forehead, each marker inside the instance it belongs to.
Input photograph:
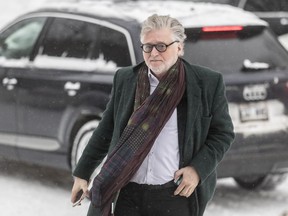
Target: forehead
(158, 35)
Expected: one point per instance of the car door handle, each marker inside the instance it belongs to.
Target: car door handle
(72, 88)
(9, 83)
(284, 21)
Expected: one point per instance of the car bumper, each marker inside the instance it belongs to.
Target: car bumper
(257, 152)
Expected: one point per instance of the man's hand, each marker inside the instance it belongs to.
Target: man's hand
(190, 180)
(79, 184)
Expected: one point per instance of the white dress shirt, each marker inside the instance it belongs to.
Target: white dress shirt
(162, 161)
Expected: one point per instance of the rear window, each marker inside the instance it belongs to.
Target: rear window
(230, 2)
(266, 5)
(230, 51)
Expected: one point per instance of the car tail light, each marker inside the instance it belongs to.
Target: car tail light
(220, 32)
(222, 28)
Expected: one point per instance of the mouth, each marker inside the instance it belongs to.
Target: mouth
(155, 60)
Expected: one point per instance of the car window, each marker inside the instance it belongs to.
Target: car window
(18, 41)
(112, 43)
(68, 38)
(230, 2)
(266, 5)
(76, 39)
(234, 49)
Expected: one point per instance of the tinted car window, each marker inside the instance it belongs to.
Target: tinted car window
(69, 38)
(230, 2)
(18, 42)
(266, 5)
(111, 42)
(234, 49)
(83, 40)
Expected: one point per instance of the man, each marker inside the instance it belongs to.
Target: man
(165, 129)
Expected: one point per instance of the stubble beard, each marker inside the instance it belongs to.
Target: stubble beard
(159, 69)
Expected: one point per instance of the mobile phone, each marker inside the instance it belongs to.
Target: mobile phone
(178, 181)
(79, 198)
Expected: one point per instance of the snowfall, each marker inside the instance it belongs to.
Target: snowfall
(28, 190)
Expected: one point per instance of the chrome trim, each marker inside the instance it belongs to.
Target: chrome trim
(37, 143)
(72, 87)
(242, 3)
(8, 139)
(9, 83)
(255, 92)
(29, 142)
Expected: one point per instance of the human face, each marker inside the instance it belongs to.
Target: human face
(161, 62)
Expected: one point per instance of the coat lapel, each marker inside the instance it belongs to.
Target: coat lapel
(193, 100)
(129, 91)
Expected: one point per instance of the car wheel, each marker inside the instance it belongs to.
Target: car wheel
(81, 139)
(266, 182)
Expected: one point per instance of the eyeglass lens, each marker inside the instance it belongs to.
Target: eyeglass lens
(161, 47)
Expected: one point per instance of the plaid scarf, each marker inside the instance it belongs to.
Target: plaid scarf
(151, 112)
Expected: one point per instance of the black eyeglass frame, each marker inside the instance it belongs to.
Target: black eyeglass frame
(157, 48)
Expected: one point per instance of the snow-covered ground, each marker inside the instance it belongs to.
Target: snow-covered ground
(32, 191)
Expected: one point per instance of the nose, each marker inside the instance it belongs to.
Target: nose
(154, 52)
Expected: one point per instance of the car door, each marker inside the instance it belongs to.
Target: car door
(16, 44)
(7, 113)
(73, 56)
(48, 90)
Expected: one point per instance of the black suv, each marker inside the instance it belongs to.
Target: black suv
(275, 12)
(57, 66)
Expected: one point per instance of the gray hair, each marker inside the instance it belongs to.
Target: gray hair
(159, 22)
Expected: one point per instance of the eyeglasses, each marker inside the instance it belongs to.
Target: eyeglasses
(160, 47)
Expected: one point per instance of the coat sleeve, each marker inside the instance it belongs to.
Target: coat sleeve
(99, 142)
(220, 135)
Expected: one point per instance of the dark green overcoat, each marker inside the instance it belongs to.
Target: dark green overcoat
(204, 124)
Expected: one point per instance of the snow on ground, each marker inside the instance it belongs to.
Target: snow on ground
(32, 191)
(28, 190)
(230, 200)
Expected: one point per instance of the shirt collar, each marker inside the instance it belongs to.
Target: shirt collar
(152, 78)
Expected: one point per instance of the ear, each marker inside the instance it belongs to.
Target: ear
(180, 49)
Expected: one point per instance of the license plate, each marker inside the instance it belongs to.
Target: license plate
(253, 111)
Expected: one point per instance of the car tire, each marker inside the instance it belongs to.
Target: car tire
(265, 182)
(81, 140)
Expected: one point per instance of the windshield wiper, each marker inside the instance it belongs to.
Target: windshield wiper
(254, 66)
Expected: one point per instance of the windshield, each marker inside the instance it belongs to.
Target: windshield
(231, 53)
